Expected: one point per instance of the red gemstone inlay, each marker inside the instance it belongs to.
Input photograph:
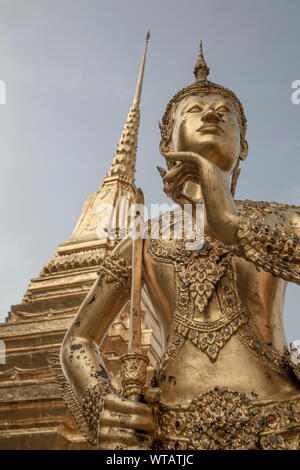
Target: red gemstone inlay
(229, 301)
(176, 445)
(271, 418)
(177, 424)
(290, 250)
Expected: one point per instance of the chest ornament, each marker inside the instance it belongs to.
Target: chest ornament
(199, 275)
(197, 272)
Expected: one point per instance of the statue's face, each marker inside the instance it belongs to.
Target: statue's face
(207, 123)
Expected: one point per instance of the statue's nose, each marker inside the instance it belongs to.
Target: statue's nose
(211, 116)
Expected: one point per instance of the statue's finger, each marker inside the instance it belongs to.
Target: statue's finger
(188, 157)
(175, 156)
(117, 437)
(152, 394)
(181, 170)
(137, 422)
(120, 405)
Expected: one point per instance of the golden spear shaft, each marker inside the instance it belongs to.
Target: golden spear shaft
(138, 91)
(134, 363)
(135, 334)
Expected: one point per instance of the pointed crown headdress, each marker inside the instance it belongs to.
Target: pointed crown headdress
(201, 84)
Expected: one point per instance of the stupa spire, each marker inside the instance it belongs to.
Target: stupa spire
(123, 164)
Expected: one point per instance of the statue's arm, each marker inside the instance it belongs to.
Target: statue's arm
(275, 250)
(81, 360)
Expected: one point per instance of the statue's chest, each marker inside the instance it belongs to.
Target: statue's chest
(197, 271)
(200, 276)
(205, 279)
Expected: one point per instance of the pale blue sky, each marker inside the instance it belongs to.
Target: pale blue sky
(70, 67)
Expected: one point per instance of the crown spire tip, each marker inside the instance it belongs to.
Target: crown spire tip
(201, 70)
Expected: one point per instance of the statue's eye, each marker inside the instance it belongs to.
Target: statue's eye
(222, 109)
(195, 109)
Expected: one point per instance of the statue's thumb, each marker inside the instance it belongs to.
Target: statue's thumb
(152, 395)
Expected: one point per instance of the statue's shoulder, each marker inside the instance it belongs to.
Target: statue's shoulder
(286, 216)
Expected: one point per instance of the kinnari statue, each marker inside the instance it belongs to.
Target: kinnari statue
(226, 379)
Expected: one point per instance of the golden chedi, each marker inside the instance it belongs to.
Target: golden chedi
(225, 379)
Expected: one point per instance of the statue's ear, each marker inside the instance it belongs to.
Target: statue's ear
(244, 150)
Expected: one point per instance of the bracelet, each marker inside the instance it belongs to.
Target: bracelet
(282, 246)
(114, 269)
(93, 403)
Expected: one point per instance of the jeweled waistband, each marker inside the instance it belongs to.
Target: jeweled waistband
(225, 419)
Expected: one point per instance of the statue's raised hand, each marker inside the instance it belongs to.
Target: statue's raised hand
(221, 214)
(174, 181)
(126, 424)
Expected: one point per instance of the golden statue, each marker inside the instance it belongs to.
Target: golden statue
(226, 379)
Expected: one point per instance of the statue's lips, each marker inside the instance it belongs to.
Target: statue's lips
(210, 129)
